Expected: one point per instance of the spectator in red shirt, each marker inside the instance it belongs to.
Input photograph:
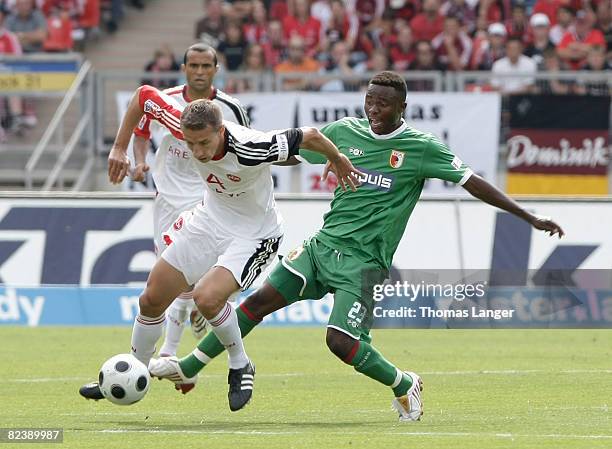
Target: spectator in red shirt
(9, 43)
(303, 25)
(342, 26)
(402, 53)
(548, 7)
(493, 10)
(275, 49)
(255, 30)
(518, 24)
(575, 44)
(368, 13)
(453, 47)
(429, 23)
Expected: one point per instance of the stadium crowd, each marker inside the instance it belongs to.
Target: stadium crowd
(339, 37)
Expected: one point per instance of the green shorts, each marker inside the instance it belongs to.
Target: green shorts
(314, 269)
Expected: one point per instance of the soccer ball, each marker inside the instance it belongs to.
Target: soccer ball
(124, 379)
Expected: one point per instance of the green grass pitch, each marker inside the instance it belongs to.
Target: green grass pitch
(483, 389)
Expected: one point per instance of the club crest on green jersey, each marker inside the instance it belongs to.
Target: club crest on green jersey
(397, 159)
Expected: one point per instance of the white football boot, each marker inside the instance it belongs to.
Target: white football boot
(410, 406)
(168, 368)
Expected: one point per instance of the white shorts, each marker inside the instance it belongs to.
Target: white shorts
(164, 215)
(194, 249)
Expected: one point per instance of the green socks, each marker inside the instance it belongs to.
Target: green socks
(367, 360)
(210, 347)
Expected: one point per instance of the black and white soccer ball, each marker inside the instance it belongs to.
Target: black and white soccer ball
(123, 379)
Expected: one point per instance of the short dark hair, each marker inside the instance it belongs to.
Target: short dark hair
(391, 79)
(515, 39)
(200, 48)
(201, 113)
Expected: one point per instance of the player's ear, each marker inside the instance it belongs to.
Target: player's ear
(183, 67)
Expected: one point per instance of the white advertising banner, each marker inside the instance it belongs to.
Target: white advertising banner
(109, 241)
(468, 123)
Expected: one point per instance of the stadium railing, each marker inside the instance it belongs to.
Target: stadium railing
(46, 158)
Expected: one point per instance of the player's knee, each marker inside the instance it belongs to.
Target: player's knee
(209, 302)
(339, 343)
(150, 305)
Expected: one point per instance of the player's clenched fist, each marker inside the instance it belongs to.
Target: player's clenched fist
(118, 165)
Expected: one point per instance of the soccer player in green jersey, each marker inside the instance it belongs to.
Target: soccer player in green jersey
(360, 235)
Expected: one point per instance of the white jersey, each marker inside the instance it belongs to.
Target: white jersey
(176, 178)
(239, 188)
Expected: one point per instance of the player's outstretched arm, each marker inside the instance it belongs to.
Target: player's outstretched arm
(481, 189)
(347, 175)
(118, 161)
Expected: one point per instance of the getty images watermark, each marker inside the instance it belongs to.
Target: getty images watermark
(484, 298)
(410, 292)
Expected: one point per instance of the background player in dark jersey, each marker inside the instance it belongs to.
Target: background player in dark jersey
(360, 234)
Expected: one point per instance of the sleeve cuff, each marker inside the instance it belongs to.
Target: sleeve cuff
(468, 173)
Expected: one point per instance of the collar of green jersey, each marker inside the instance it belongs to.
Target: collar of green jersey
(392, 134)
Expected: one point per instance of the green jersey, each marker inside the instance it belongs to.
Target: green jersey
(372, 220)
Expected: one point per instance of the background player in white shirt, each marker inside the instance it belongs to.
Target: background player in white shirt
(229, 239)
(179, 186)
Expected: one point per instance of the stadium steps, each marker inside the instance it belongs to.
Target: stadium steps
(12, 169)
(16, 151)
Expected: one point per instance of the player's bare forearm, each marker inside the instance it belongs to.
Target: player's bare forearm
(484, 191)
(130, 120)
(314, 140)
(337, 163)
(289, 162)
(118, 161)
(141, 148)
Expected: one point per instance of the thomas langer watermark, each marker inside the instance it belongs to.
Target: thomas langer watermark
(482, 298)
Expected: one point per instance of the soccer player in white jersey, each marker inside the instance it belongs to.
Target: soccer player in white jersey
(179, 185)
(230, 238)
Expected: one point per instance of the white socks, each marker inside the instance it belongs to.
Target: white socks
(225, 326)
(176, 315)
(145, 334)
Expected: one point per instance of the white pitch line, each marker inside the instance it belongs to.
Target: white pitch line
(46, 379)
(197, 432)
(509, 372)
(423, 434)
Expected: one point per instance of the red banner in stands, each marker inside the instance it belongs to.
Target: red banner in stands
(549, 153)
